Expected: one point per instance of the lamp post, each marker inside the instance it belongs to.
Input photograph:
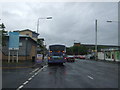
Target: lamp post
(96, 39)
(39, 19)
(38, 26)
(26, 47)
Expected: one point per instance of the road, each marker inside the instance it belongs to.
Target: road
(79, 74)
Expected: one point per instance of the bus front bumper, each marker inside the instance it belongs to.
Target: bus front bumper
(56, 61)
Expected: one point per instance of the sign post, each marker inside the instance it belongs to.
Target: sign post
(39, 58)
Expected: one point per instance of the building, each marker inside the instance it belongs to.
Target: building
(27, 48)
(99, 47)
(104, 52)
(40, 47)
(77, 44)
(30, 33)
(41, 41)
(110, 54)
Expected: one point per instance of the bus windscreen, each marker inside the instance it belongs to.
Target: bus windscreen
(56, 48)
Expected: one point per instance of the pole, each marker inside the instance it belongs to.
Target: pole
(12, 55)
(104, 54)
(9, 57)
(96, 39)
(17, 56)
(37, 25)
(26, 48)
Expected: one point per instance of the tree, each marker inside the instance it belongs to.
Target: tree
(2, 26)
(69, 51)
(2, 35)
(77, 50)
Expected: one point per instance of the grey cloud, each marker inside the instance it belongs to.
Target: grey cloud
(71, 21)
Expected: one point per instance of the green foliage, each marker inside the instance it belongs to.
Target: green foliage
(82, 50)
(69, 50)
(101, 47)
(77, 50)
(2, 26)
(43, 49)
(2, 35)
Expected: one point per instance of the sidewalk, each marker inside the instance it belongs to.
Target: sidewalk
(107, 61)
(23, 64)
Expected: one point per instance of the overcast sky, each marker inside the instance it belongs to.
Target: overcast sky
(71, 21)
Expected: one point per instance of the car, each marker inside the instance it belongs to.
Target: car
(80, 56)
(70, 58)
(77, 56)
(90, 56)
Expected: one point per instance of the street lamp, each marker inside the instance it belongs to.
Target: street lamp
(39, 19)
(38, 26)
(110, 21)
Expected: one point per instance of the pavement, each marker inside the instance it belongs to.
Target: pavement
(30, 64)
(23, 64)
(78, 74)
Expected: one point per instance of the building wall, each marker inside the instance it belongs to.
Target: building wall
(29, 33)
(76, 44)
(109, 55)
(117, 55)
(33, 52)
(27, 49)
(20, 58)
(101, 55)
(26, 32)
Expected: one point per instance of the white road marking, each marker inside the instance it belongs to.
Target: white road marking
(34, 70)
(20, 87)
(29, 78)
(35, 73)
(90, 77)
(42, 69)
(25, 82)
(33, 76)
(45, 66)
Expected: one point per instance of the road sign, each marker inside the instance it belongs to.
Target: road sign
(39, 58)
(13, 40)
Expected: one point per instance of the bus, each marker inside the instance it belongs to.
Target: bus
(56, 54)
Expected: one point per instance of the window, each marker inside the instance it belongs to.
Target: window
(27, 34)
(34, 35)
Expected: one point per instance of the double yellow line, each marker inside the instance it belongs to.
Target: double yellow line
(14, 67)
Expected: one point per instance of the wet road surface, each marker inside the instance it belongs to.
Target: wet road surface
(79, 74)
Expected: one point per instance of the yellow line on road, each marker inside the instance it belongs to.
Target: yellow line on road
(14, 67)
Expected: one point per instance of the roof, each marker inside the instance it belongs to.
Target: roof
(27, 30)
(56, 45)
(41, 39)
(100, 45)
(110, 49)
(25, 36)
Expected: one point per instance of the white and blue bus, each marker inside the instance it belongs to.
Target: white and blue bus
(56, 54)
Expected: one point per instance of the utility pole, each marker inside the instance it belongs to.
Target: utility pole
(26, 47)
(96, 39)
